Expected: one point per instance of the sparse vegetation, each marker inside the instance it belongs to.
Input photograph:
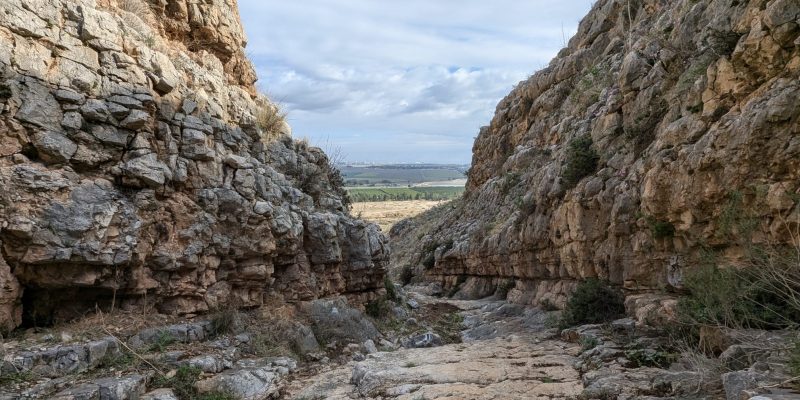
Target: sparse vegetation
(429, 260)
(581, 160)
(448, 327)
(269, 120)
(660, 229)
(391, 291)
(433, 193)
(639, 357)
(224, 321)
(588, 89)
(588, 342)
(510, 180)
(504, 287)
(163, 340)
(428, 255)
(406, 275)
(9, 378)
(593, 302)
(182, 383)
(5, 91)
(547, 305)
(379, 308)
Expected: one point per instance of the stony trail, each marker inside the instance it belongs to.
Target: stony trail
(507, 353)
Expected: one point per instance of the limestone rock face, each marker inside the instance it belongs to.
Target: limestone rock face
(134, 169)
(693, 111)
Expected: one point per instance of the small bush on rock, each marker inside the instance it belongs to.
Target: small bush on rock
(593, 302)
(660, 229)
(406, 275)
(379, 308)
(548, 305)
(225, 321)
(182, 383)
(504, 287)
(391, 291)
(269, 119)
(581, 160)
(753, 297)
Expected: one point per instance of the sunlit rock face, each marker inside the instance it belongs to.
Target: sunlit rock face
(135, 169)
(693, 110)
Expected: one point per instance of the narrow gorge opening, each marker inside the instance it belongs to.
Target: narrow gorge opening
(560, 199)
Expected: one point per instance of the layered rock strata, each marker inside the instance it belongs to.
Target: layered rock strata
(629, 156)
(139, 165)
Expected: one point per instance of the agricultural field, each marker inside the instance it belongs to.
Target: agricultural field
(388, 213)
(402, 174)
(433, 193)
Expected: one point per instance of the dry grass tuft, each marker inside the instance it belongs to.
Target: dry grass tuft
(269, 119)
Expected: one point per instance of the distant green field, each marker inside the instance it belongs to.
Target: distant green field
(400, 175)
(359, 195)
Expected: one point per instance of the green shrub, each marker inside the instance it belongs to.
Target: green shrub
(581, 160)
(182, 384)
(660, 229)
(547, 305)
(649, 358)
(224, 321)
(504, 287)
(378, 308)
(428, 255)
(429, 261)
(593, 302)
(9, 378)
(391, 291)
(406, 275)
(216, 396)
(748, 298)
(5, 91)
(588, 343)
(510, 180)
(163, 340)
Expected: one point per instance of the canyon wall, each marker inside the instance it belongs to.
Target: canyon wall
(139, 166)
(629, 157)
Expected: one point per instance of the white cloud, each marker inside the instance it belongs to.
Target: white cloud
(394, 81)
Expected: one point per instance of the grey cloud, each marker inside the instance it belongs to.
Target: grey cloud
(383, 77)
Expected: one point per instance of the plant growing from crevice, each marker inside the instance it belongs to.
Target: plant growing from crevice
(660, 229)
(593, 302)
(655, 358)
(588, 342)
(269, 119)
(163, 340)
(581, 160)
(510, 180)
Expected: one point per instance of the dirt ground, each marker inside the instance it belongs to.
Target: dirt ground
(387, 213)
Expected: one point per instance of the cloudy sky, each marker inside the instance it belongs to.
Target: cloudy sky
(400, 81)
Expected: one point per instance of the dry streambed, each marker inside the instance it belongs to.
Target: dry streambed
(427, 348)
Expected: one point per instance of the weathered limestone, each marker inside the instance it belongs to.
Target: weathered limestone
(132, 168)
(690, 106)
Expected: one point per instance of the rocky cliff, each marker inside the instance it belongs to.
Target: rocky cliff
(628, 155)
(139, 165)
